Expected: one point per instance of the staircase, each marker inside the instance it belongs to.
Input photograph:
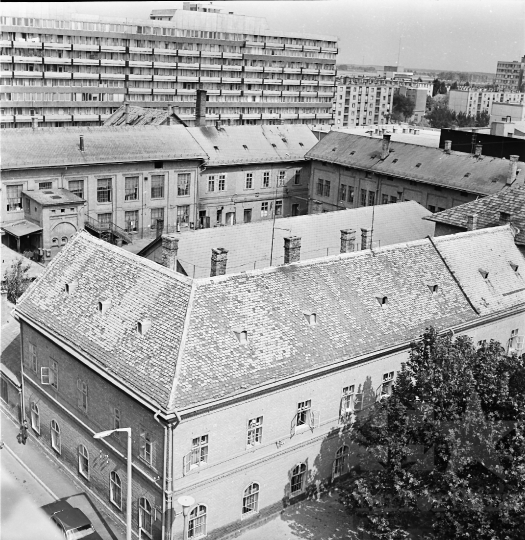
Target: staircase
(108, 231)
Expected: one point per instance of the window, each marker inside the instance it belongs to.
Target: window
(320, 187)
(131, 188)
(45, 185)
(297, 480)
(340, 463)
(393, 199)
(82, 394)
(116, 418)
(248, 181)
(183, 184)
(384, 199)
(104, 190)
(131, 219)
(281, 178)
(33, 361)
(14, 198)
(250, 500)
(295, 209)
(363, 197)
(432, 208)
(388, 383)
(222, 182)
(371, 198)
(157, 186)
(83, 461)
(145, 519)
(4, 392)
(197, 522)
(327, 188)
(351, 194)
(278, 208)
(183, 214)
(53, 374)
(264, 209)
(350, 403)
(211, 183)
(303, 410)
(115, 489)
(297, 178)
(254, 431)
(266, 179)
(56, 443)
(146, 447)
(35, 417)
(104, 220)
(157, 217)
(342, 193)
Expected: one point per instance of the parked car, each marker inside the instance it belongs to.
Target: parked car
(73, 523)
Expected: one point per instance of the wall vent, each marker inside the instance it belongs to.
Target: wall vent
(311, 317)
(484, 273)
(143, 326)
(433, 288)
(103, 306)
(242, 336)
(71, 287)
(383, 300)
(514, 266)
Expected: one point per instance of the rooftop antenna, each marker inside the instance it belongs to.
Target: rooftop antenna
(398, 52)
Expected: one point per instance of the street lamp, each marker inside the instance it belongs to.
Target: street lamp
(104, 434)
(186, 502)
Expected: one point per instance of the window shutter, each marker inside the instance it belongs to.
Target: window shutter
(315, 418)
(358, 401)
(379, 392)
(342, 410)
(333, 469)
(79, 393)
(293, 426)
(45, 375)
(154, 454)
(186, 463)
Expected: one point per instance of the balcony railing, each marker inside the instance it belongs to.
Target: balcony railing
(106, 227)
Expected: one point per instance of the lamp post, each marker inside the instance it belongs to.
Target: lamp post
(186, 502)
(104, 434)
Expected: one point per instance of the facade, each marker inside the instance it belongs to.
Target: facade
(509, 75)
(348, 171)
(302, 348)
(418, 96)
(472, 101)
(76, 70)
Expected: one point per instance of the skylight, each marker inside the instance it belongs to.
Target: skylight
(216, 148)
(245, 147)
(418, 165)
(394, 160)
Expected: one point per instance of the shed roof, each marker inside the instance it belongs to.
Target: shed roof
(53, 197)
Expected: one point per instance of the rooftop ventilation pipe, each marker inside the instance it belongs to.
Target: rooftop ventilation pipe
(81, 143)
(513, 170)
(385, 149)
(448, 147)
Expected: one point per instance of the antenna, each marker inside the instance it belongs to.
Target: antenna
(398, 52)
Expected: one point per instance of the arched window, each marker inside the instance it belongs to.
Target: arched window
(298, 478)
(54, 241)
(83, 461)
(64, 240)
(145, 520)
(115, 489)
(35, 417)
(56, 442)
(340, 463)
(250, 500)
(197, 522)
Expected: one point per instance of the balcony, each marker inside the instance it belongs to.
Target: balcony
(62, 46)
(250, 80)
(107, 231)
(77, 75)
(208, 54)
(141, 77)
(165, 65)
(172, 52)
(211, 67)
(184, 65)
(237, 80)
(140, 63)
(236, 56)
(85, 62)
(112, 48)
(182, 52)
(140, 50)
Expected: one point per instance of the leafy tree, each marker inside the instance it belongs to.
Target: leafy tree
(438, 87)
(16, 279)
(454, 85)
(441, 116)
(482, 119)
(444, 456)
(402, 106)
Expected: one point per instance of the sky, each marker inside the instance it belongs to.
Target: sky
(458, 35)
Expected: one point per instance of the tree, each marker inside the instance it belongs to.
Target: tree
(16, 279)
(482, 119)
(454, 85)
(402, 106)
(441, 116)
(444, 456)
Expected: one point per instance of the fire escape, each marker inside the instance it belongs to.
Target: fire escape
(107, 230)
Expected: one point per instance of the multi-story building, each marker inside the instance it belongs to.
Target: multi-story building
(237, 388)
(77, 70)
(509, 75)
(472, 101)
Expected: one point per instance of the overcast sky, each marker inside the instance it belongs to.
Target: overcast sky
(461, 35)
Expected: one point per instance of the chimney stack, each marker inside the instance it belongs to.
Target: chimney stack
(504, 218)
(169, 120)
(81, 143)
(200, 108)
(126, 113)
(170, 247)
(448, 147)
(292, 249)
(513, 169)
(347, 240)
(34, 122)
(219, 258)
(477, 153)
(218, 125)
(365, 239)
(385, 149)
(472, 222)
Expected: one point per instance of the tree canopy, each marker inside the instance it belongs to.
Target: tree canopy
(402, 106)
(16, 279)
(444, 455)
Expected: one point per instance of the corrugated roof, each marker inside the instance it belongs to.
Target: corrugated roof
(48, 147)
(269, 304)
(249, 244)
(482, 175)
(253, 144)
(511, 201)
(141, 116)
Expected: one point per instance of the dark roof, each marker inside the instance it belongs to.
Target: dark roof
(141, 116)
(53, 197)
(511, 201)
(21, 228)
(481, 175)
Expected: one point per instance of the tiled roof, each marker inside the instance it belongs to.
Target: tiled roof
(140, 116)
(457, 170)
(193, 325)
(249, 244)
(52, 197)
(265, 144)
(50, 147)
(511, 201)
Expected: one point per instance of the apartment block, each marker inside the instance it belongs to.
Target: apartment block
(473, 101)
(509, 75)
(76, 70)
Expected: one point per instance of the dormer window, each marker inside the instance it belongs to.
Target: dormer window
(284, 140)
(394, 160)
(352, 152)
(245, 147)
(418, 165)
(242, 336)
(216, 148)
(301, 144)
(103, 306)
(143, 326)
(433, 288)
(467, 175)
(484, 273)
(274, 145)
(514, 267)
(311, 317)
(71, 287)
(383, 300)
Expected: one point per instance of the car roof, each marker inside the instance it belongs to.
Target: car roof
(71, 517)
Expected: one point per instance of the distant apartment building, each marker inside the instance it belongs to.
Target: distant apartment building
(473, 101)
(509, 75)
(77, 70)
(418, 96)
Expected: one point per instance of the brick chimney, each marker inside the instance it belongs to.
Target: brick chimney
(292, 249)
(81, 143)
(347, 240)
(385, 149)
(200, 108)
(504, 218)
(477, 152)
(472, 222)
(126, 113)
(170, 247)
(448, 147)
(513, 169)
(219, 258)
(365, 238)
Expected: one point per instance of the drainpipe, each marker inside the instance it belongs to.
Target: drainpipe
(155, 417)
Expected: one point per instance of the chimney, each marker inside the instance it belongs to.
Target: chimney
(34, 122)
(292, 249)
(513, 169)
(477, 153)
(218, 125)
(126, 113)
(200, 108)
(365, 238)
(317, 207)
(385, 150)
(504, 218)
(448, 147)
(81, 143)
(347, 240)
(219, 258)
(169, 120)
(472, 222)
(170, 247)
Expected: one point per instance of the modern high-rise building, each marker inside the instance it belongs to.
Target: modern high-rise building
(509, 75)
(76, 70)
